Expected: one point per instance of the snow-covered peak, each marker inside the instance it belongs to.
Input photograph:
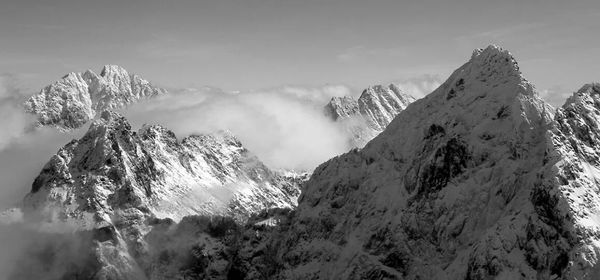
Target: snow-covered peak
(366, 117)
(474, 181)
(74, 100)
(494, 65)
(489, 69)
(380, 104)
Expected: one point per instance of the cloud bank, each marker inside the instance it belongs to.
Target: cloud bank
(285, 127)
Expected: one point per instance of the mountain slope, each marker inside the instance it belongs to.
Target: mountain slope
(113, 167)
(474, 181)
(366, 117)
(76, 98)
(114, 181)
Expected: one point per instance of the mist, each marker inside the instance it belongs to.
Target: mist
(285, 127)
(24, 150)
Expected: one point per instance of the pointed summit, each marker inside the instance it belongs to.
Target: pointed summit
(490, 73)
(494, 61)
(462, 184)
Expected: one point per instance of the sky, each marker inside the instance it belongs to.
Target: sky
(255, 44)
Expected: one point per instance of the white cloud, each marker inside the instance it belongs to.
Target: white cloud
(421, 85)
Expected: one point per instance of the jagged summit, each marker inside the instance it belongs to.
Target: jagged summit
(490, 71)
(495, 61)
(75, 99)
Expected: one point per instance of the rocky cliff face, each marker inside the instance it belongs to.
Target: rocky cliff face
(76, 98)
(366, 117)
(478, 180)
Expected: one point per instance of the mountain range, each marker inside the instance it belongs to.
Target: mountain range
(480, 179)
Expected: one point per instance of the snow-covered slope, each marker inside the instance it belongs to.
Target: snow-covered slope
(115, 180)
(475, 181)
(114, 167)
(76, 98)
(366, 117)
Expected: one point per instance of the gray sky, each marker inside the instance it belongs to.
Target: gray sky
(251, 44)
